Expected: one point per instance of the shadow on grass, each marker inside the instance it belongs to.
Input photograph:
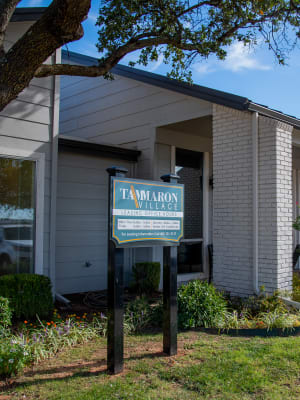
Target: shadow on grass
(69, 372)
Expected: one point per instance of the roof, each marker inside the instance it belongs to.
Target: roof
(197, 91)
(27, 14)
(79, 145)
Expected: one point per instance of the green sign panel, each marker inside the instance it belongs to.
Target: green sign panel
(144, 211)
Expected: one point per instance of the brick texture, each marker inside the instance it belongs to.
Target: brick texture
(232, 202)
(275, 205)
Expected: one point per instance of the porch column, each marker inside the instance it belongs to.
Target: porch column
(275, 205)
(232, 201)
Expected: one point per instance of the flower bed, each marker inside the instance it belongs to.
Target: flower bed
(200, 306)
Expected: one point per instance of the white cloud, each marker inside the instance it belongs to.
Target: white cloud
(240, 58)
(203, 69)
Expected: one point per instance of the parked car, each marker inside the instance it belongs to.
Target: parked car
(15, 244)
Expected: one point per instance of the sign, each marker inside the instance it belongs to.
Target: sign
(145, 211)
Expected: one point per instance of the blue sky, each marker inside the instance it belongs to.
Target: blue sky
(253, 74)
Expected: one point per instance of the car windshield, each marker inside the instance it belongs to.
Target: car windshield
(18, 233)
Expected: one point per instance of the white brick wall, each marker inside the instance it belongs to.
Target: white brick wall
(275, 204)
(232, 202)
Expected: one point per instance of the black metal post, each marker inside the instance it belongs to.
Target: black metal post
(170, 291)
(115, 334)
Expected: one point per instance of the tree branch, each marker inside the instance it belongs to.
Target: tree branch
(60, 24)
(7, 8)
(106, 65)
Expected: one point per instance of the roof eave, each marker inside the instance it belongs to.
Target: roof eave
(100, 150)
(23, 14)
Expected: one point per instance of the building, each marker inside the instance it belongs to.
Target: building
(239, 162)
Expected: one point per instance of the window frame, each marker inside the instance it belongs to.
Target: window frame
(39, 159)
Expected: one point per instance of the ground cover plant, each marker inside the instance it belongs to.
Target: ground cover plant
(206, 367)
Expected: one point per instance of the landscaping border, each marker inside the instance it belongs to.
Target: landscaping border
(275, 332)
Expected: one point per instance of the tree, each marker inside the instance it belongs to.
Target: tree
(181, 30)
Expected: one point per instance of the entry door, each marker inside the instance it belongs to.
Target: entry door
(189, 167)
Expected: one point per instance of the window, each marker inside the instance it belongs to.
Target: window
(17, 215)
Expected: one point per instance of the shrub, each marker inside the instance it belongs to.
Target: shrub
(254, 305)
(5, 312)
(29, 294)
(199, 304)
(146, 277)
(296, 287)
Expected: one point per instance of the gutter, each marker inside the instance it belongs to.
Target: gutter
(255, 199)
(279, 116)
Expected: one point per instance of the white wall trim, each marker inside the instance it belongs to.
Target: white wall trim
(39, 158)
(206, 211)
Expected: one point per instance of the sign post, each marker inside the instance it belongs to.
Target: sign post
(115, 307)
(170, 291)
(142, 214)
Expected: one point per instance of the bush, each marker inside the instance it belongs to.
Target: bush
(29, 294)
(254, 305)
(146, 277)
(199, 304)
(296, 287)
(5, 313)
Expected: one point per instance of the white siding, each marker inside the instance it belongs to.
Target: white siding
(81, 228)
(27, 124)
(124, 112)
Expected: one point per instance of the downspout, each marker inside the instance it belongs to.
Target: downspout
(54, 152)
(255, 199)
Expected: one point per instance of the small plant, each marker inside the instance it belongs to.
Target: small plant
(137, 314)
(29, 294)
(13, 358)
(199, 304)
(5, 313)
(276, 319)
(146, 277)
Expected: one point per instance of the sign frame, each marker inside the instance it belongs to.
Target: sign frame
(115, 283)
(145, 241)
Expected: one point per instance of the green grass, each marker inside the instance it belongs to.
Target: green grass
(206, 367)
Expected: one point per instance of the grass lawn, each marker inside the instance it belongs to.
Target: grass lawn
(206, 367)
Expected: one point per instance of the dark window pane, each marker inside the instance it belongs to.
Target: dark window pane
(17, 215)
(189, 169)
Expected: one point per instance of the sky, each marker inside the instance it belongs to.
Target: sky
(254, 74)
